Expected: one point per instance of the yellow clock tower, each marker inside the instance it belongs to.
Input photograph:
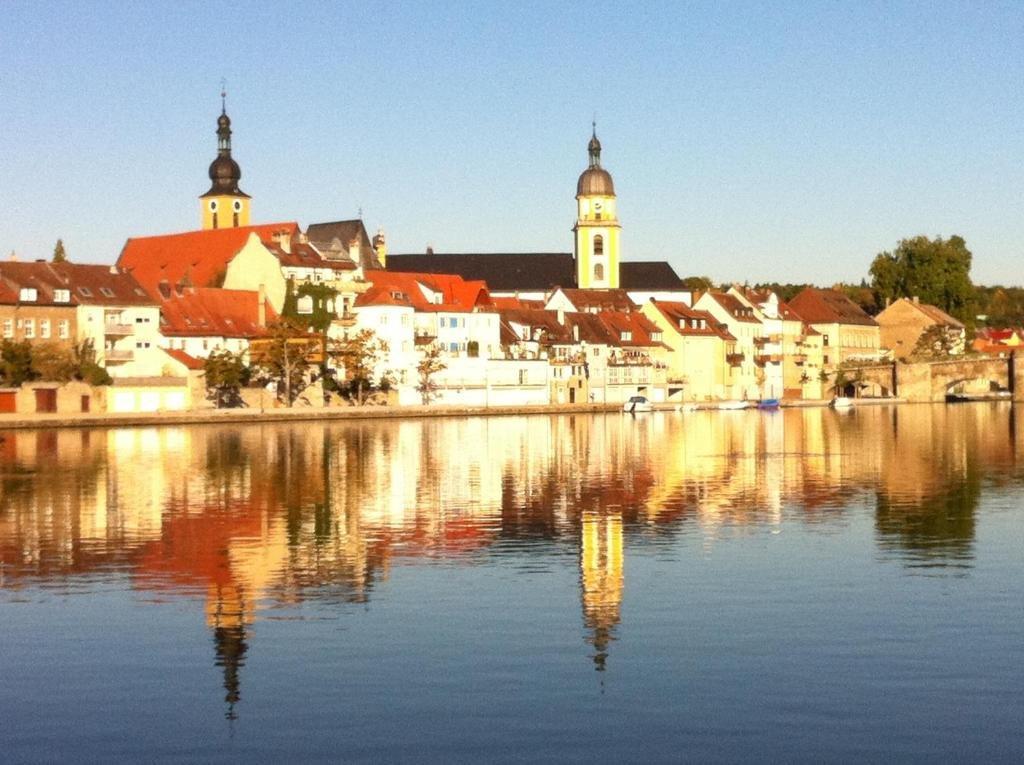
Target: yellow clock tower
(224, 205)
(597, 225)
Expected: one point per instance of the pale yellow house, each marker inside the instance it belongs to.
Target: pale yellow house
(847, 333)
(697, 369)
(743, 379)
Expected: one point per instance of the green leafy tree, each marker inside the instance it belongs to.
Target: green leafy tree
(359, 355)
(938, 271)
(426, 371)
(54, 362)
(59, 254)
(16, 362)
(285, 356)
(225, 373)
(937, 342)
(87, 369)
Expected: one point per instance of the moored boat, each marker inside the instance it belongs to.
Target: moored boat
(733, 404)
(768, 404)
(841, 402)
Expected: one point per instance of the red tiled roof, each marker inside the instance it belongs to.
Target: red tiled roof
(396, 288)
(818, 306)
(304, 255)
(86, 284)
(213, 312)
(734, 306)
(787, 312)
(199, 257)
(190, 362)
(638, 325)
(682, 317)
(603, 300)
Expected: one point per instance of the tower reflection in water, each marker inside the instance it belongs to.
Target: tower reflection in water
(257, 517)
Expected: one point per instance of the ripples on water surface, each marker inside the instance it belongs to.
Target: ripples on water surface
(803, 585)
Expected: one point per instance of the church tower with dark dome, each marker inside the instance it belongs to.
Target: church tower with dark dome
(224, 205)
(597, 225)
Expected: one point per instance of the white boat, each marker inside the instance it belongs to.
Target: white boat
(637, 404)
(841, 402)
(734, 404)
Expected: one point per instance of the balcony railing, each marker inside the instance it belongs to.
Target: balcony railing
(118, 356)
(800, 359)
(121, 330)
(347, 320)
(768, 358)
(734, 359)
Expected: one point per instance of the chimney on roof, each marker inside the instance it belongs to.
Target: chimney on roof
(303, 237)
(430, 249)
(283, 239)
(13, 257)
(916, 299)
(113, 270)
(261, 306)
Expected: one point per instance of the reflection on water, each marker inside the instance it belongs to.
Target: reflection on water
(258, 519)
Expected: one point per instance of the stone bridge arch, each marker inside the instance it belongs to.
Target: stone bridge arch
(945, 375)
(876, 380)
(930, 380)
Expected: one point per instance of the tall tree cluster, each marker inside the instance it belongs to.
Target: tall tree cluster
(938, 271)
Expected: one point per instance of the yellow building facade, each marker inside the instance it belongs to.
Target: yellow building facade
(597, 226)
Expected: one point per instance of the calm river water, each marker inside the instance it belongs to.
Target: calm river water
(711, 586)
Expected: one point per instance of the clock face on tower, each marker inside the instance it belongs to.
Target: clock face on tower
(597, 206)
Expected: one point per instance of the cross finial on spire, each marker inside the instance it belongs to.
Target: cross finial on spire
(593, 124)
(223, 96)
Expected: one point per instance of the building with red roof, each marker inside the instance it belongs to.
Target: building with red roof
(848, 333)
(72, 303)
(229, 258)
(201, 320)
(699, 344)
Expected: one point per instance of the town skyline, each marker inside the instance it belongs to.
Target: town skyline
(756, 194)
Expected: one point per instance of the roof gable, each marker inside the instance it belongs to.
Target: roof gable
(196, 258)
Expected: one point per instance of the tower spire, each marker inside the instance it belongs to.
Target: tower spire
(594, 147)
(223, 96)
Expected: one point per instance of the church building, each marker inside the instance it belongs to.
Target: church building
(594, 263)
(224, 205)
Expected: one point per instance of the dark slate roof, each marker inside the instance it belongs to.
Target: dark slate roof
(341, 233)
(503, 272)
(648, 275)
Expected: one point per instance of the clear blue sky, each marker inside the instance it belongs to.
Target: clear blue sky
(747, 141)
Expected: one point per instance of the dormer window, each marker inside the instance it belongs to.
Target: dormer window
(626, 335)
(106, 292)
(656, 337)
(85, 292)
(62, 296)
(28, 295)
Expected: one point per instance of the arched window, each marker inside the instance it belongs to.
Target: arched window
(599, 245)
(599, 272)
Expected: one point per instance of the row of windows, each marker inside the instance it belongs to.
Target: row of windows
(31, 294)
(28, 327)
